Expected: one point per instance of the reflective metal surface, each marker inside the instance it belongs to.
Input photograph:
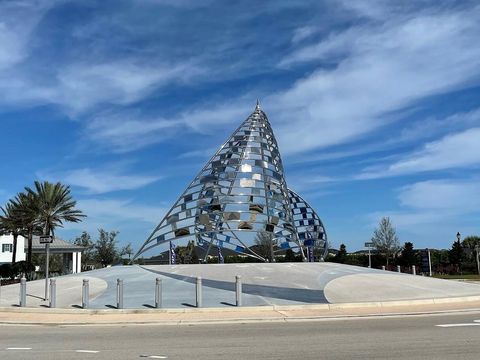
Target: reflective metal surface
(239, 197)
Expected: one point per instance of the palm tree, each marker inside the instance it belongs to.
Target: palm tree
(55, 206)
(10, 224)
(26, 207)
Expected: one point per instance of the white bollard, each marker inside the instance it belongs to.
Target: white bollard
(238, 290)
(414, 270)
(23, 292)
(85, 294)
(158, 293)
(199, 292)
(119, 294)
(53, 293)
(399, 269)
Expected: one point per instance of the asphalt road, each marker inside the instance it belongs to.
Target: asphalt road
(413, 337)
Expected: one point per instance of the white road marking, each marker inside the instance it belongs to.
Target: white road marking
(87, 351)
(458, 325)
(19, 348)
(154, 356)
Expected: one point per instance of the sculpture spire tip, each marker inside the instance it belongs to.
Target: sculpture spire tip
(257, 107)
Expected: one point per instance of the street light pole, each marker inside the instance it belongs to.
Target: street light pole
(47, 260)
(369, 258)
(478, 259)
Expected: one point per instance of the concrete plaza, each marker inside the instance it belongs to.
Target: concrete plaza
(280, 284)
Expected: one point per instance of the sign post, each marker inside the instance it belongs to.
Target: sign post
(47, 240)
(369, 245)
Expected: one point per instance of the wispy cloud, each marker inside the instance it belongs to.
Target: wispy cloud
(133, 220)
(382, 68)
(452, 151)
(458, 195)
(99, 181)
(434, 208)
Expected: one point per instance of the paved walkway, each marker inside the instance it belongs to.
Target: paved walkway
(224, 315)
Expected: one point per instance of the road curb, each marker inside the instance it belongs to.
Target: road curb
(250, 320)
(337, 306)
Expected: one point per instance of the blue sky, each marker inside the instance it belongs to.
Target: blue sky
(375, 105)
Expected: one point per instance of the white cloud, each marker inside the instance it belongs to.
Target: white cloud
(120, 210)
(451, 195)
(434, 209)
(452, 151)
(124, 131)
(106, 180)
(384, 67)
(303, 33)
(18, 19)
(134, 221)
(83, 86)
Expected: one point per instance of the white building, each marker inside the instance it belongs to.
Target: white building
(71, 253)
(6, 249)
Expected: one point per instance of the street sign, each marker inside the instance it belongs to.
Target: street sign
(46, 239)
(369, 245)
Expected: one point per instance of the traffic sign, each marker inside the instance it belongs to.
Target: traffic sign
(369, 244)
(46, 239)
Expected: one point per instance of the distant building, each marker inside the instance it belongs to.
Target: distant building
(6, 249)
(71, 253)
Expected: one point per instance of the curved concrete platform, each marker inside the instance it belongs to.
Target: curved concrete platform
(381, 287)
(280, 284)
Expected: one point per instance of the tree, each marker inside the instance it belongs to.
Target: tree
(456, 255)
(127, 250)
(106, 247)
(85, 240)
(408, 256)
(27, 209)
(264, 241)
(471, 244)
(385, 238)
(55, 205)
(290, 256)
(341, 256)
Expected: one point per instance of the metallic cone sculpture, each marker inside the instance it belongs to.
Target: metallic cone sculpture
(239, 199)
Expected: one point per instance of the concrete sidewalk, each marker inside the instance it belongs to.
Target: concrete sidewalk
(189, 316)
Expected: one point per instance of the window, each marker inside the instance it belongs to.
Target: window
(6, 247)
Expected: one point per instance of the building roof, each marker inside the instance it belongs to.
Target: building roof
(57, 246)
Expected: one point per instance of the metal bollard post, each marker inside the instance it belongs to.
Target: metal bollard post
(414, 270)
(238, 290)
(199, 292)
(158, 293)
(53, 293)
(23, 292)
(119, 294)
(85, 294)
(399, 269)
(383, 267)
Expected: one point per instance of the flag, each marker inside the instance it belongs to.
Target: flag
(220, 256)
(173, 256)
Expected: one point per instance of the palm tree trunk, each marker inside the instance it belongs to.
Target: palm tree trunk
(14, 255)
